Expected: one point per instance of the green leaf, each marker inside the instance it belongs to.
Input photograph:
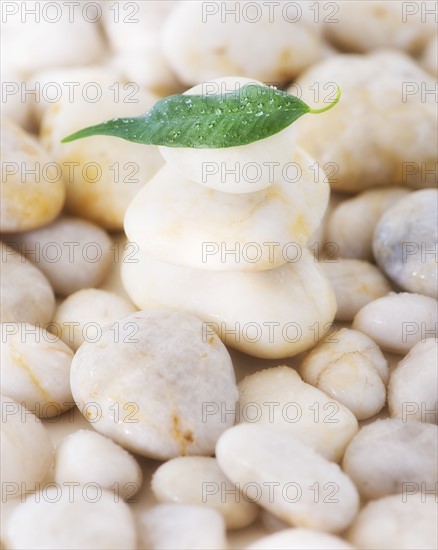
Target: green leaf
(249, 114)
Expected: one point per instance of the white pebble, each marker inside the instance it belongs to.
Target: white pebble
(413, 384)
(272, 314)
(199, 481)
(32, 189)
(81, 316)
(352, 222)
(405, 242)
(356, 283)
(26, 450)
(60, 519)
(388, 454)
(265, 228)
(405, 522)
(72, 253)
(300, 539)
(35, 369)
(284, 475)
(349, 367)
(87, 457)
(149, 384)
(297, 409)
(178, 527)
(397, 322)
(27, 296)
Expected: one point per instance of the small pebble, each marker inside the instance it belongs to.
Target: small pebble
(297, 409)
(88, 457)
(35, 369)
(350, 368)
(68, 518)
(396, 322)
(27, 296)
(180, 527)
(387, 455)
(155, 385)
(72, 253)
(405, 522)
(81, 316)
(405, 242)
(300, 539)
(199, 481)
(26, 450)
(413, 384)
(351, 224)
(288, 478)
(356, 283)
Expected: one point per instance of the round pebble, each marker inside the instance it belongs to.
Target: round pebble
(32, 190)
(271, 314)
(387, 455)
(283, 475)
(405, 242)
(199, 481)
(405, 522)
(413, 385)
(203, 226)
(35, 369)
(300, 539)
(350, 368)
(277, 398)
(351, 224)
(69, 518)
(81, 316)
(396, 322)
(356, 283)
(178, 527)
(26, 450)
(155, 385)
(88, 457)
(27, 296)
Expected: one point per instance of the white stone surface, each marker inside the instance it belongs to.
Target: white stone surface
(198, 480)
(152, 384)
(282, 471)
(300, 539)
(387, 455)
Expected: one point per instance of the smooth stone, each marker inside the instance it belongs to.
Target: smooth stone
(300, 539)
(396, 322)
(183, 223)
(278, 399)
(413, 384)
(32, 189)
(178, 527)
(356, 283)
(405, 522)
(198, 481)
(199, 46)
(405, 242)
(102, 173)
(72, 253)
(350, 368)
(26, 450)
(27, 296)
(386, 455)
(352, 138)
(351, 223)
(35, 369)
(240, 169)
(284, 475)
(429, 59)
(87, 457)
(152, 385)
(271, 314)
(71, 518)
(81, 316)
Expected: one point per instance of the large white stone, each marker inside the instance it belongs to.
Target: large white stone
(300, 539)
